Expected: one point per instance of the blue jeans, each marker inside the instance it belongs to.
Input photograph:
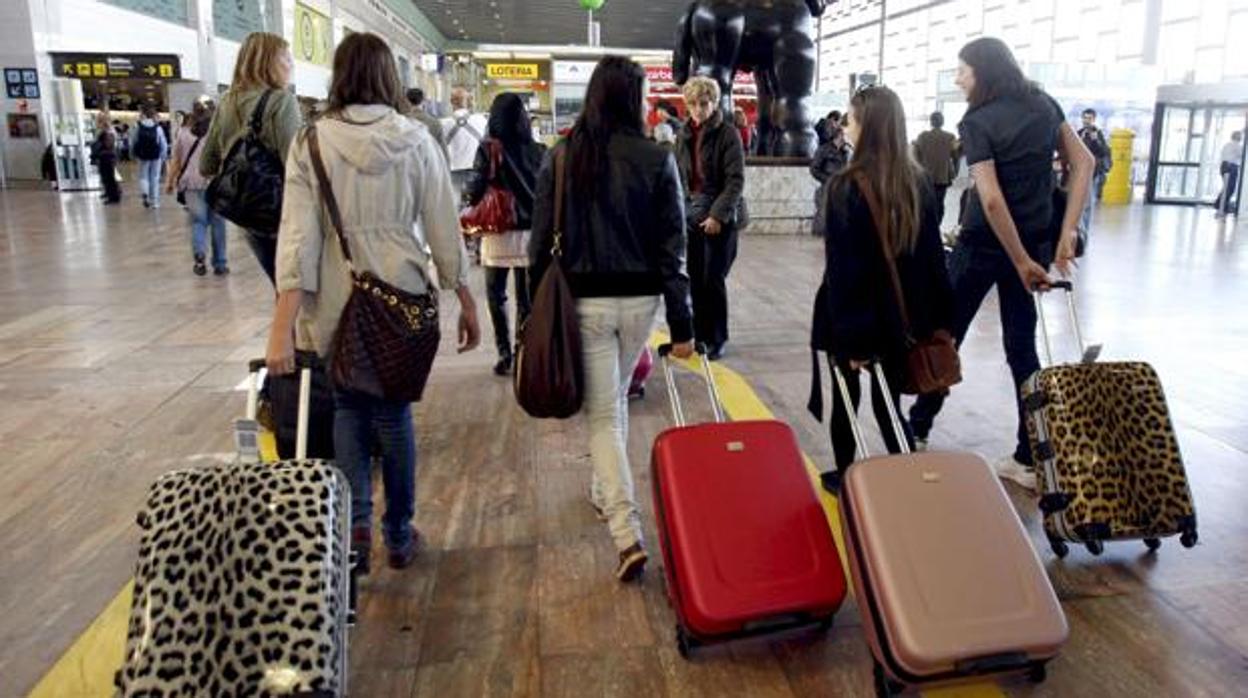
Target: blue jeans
(1094, 197)
(359, 422)
(202, 217)
(149, 179)
(973, 271)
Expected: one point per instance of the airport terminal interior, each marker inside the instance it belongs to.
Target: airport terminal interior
(124, 358)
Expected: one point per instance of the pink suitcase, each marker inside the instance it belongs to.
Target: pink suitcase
(747, 548)
(947, 581)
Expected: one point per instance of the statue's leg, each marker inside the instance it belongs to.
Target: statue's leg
(718, 41)
(795, 57)
(765, 81)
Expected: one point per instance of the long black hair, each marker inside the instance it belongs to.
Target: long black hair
(996, 72)
(509, 121)
(613, 104)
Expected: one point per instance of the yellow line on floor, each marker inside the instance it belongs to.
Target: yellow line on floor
(741, 403)
(86, 669)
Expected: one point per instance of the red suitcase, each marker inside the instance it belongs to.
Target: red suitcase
(948, 584)
(746, 546)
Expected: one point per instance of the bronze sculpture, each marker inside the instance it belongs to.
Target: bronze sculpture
(771, 38)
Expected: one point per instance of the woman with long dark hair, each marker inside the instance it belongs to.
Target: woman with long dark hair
(510, 134)
(857, 319)
(394, 192)
(622, 247)
(1008, 136)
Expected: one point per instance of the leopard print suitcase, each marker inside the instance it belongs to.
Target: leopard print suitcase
(1107, 460)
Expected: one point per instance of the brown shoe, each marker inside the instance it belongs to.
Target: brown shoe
(632, 563)
(404, 556)
(362, 547)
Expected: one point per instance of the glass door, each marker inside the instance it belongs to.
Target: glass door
(1188, 156)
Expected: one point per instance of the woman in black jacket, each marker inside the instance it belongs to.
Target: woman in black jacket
(511, 134)
(857, 319)
(712, 167)
(622, 246)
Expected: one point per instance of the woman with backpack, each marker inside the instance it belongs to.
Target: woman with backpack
(150, 148)
(392, 204)
(261, 73)
(858, 314)
(510, 159)
(622, 247)
(184, 177)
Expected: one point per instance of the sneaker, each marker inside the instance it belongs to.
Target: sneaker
(920, 444)
(636, 392)
(831, 482)
(220, 271)
(200, 267)
(1022, 475)
(146, 203)
(715, 352)
(503, 367)
(632, 563)
(362, 546)
(404, 556)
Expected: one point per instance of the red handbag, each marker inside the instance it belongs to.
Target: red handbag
(496, 211)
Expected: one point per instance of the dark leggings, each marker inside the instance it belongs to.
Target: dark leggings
(843, 445)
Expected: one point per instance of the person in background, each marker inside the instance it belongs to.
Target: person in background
(623, 247)
(393, 189)
(856, 317)
(416, 98)
(712, 167)
(937, 151)
(464, 131)
(1232, 164)
(824, 127)
(184, 176)
(535, 126)
(1094, 140)
(1008, 136)
(665, 136)
(104, 154)
(507, 253)
(263, 67)
(151, 149)
(833, 153)
(669, 114)
(123, 140)
(742, 122)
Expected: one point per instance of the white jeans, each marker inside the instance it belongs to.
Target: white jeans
(613, 333)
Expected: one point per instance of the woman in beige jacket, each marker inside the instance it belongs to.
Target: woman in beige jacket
(398, 210)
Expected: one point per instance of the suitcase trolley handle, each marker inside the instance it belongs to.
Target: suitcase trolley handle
(246, 429)
(1087, 354)
(678, 411)
(854, 426)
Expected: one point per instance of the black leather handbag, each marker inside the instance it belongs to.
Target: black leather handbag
(248, 190)
(386, 338)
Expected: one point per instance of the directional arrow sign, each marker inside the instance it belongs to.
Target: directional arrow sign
(150, 70)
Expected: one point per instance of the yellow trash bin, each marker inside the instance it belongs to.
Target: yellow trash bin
(1118, 183)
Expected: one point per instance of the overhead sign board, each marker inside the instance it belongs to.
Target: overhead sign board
(574, 72)
(512, 71)
(101, 66)
(314, 36)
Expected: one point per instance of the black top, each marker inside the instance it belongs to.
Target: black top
(722, 171)
(1019, 133)
(517, 175)
(629, 240)
(856, 314)
(1094, 139)
(829, 159)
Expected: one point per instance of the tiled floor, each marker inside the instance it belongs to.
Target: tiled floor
(117, 364)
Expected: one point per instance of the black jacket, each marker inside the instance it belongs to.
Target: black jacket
(629, 240)
(517, 175)
(829, 159)
(855, 314)
(723, 172)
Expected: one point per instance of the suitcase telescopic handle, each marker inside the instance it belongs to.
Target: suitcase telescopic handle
(678, 410)
(894, 419)
(305, 365)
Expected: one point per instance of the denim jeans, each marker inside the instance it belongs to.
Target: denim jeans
(613, 333)
(149, 179)
(496, 294)
(264, 247)
(359, 422)
(1094, 194)
(202, 218)
(973, 271)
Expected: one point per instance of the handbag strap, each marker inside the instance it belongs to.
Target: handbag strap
(327, 195)
(864, 185)
(257, 114)
(189, 154)
(556, 249)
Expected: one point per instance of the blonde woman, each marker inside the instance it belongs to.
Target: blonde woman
(262, 72)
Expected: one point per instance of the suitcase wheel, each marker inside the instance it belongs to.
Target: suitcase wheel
(1037, 673)
(1059, 547)
(685, 643)
(1152, 543)
(1189, 538)
(1095, 547)
(884, 686)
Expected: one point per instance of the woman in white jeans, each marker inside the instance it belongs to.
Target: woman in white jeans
(623, 250)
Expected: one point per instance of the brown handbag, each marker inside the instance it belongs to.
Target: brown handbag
(550, 378)
(932, 363)
(387, 337)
